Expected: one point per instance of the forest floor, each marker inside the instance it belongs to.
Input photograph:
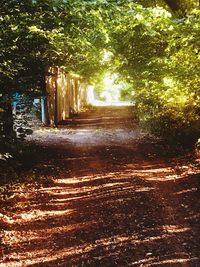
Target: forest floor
(105, 194)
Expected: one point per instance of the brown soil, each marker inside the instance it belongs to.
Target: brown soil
(110, 196)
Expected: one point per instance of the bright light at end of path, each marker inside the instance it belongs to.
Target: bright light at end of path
(109, 80)
(111, 92)
(110, 95)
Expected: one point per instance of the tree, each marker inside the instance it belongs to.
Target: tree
(37, 34)
(159, 57)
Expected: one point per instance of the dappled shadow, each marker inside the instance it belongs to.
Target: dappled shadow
(106, 200)
(109, 218)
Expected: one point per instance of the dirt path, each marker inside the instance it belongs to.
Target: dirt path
(111, 196)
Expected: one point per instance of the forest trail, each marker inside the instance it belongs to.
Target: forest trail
(111, 196)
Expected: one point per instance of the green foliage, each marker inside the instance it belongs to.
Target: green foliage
(126, 93)
(35, 34)
(160, 57)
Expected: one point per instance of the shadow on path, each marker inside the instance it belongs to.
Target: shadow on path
(112, 202)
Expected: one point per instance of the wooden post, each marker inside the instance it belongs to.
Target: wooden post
(56, 98)
(44, 111)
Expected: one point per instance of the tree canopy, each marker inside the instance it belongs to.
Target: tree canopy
(159, 57)
(40, 33)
